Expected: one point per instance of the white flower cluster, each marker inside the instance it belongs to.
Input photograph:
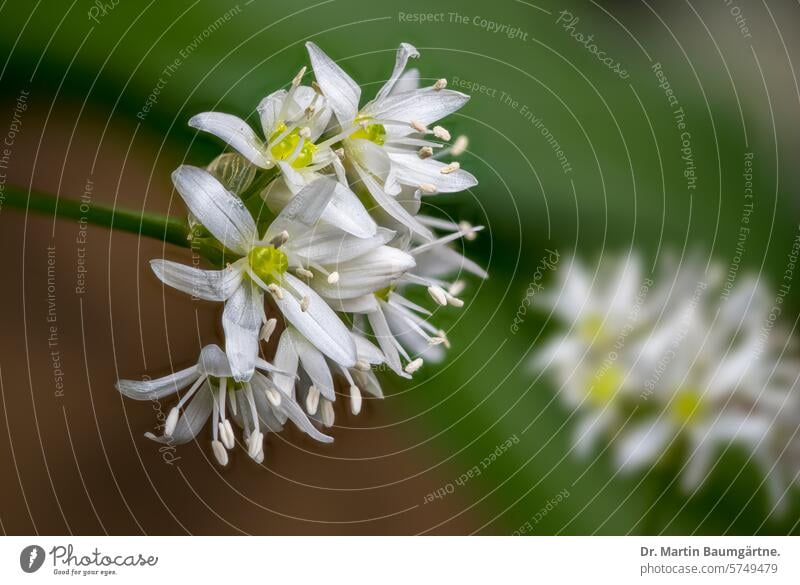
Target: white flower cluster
(676, 371)
(317, 234)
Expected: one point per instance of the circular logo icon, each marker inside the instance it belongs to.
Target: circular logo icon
(31, 558)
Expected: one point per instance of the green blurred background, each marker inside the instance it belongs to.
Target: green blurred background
(77, 462)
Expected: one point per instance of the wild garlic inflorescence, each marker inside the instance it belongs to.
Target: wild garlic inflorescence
(314, 225)
(674, 369)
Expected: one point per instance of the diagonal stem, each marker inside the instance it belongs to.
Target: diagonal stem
(153, 225)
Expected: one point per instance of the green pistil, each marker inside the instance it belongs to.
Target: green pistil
(268, 263)
(383, 294)
(687, 406)
(286, 147)
(373, 132)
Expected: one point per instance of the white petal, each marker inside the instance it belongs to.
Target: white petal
(210, 285)
(160, 387)
(407, 82)
(425, 105)
(318, 324)
(643, 444)
(222, 213)
(366, 350)
(214, 362)
(342, 92)
(192, 419)
(326, 244)
(384, 336)
(304, 208)
(241, 321)
(366, 273)
(404, 53)
(298, 417)
(235, 132)
(391, 206)
(365, 304)
(285, 360)
(346, 212)
(315, 366)
(409, 169)
(271, 106)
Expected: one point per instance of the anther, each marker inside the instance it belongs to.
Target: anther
(268, 329)
(355, 400)
(413, 366)
(425, 152)
(226, 434)
(219, 453)
(363, 365)
(451, 168)
(440, 84)
(275, 290)
(459, 146)
(312, 400)
(438, 294)
(172, 421)
(427, 188)
(333, 278)
(419, 126)
(304, 302)
(299, 77)
(273, 396)
(441, 133)
(328, 415)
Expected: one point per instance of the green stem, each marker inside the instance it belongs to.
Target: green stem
(153, 225)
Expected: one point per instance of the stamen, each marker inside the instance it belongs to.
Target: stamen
(443, 335)
(427, 188)
(306, 300)
(454, 301)
(317, 88)
(457, 288)
(220, 453)
(273, 396)
(305, 132)
(440, 84)
(333, 278)
(355, 399)
(435, 341)
(451, 168)
(255, 443)
(226, 434)
(312, 400)
(280, 239)
(460, 145)
(299, 77)
(172, 421)
(438, 294)
(413, 366)
(419, 126)
(328, 415)
(425, 152)
(303, 273)
(363, 365)
(470, 233)
(268, 329)
(276, 290)
(441, 133)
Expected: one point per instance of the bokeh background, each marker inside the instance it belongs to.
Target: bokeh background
(72, 451)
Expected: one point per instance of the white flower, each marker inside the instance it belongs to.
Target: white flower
(385, 142)
(291, 121)
(402, 327)
(674, 366)
(257, 406)
(302, 371)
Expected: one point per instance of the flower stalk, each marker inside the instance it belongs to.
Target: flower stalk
(153, 225)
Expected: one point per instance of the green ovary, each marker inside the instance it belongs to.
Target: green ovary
(383, 294)
(687, 406)
(268, 263)
(285, 148)
(373, 132)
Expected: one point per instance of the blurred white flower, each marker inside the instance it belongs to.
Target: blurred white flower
(676, 367)
(257, 405)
